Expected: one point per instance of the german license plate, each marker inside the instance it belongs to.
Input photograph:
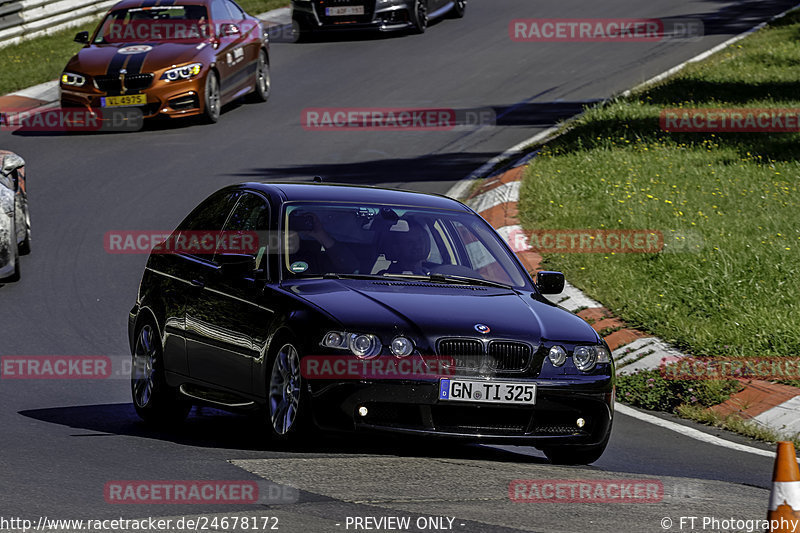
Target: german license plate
(344, 11)
(484, 391)
(123, 101)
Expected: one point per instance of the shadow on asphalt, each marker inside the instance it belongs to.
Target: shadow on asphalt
(211, 428)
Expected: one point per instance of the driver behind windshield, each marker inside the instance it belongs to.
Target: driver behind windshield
(323, 254)
(407, 246)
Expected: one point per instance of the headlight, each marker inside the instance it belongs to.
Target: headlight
(360, 344)
(585, 358)
(76, 80)
(557, 355)
(364, 345)
(182, 73)
(402, 347)
(335, 339)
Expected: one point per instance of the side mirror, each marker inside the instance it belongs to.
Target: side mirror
(550, 282)
(82, 37)
(236, 267)
(229, 29)
(12, 162)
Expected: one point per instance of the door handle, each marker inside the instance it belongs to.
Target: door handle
(198, 283)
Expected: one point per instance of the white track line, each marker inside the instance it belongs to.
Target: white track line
(690, 432)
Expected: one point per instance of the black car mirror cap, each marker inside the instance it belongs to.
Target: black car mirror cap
(236, 266)
(82, 37)
(549, 282)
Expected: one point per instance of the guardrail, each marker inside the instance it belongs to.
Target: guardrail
(25, 19)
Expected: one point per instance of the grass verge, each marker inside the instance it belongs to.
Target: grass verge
(734, 423)
(42, 59)
(728, 280)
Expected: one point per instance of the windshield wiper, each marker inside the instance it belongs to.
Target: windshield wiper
(442, 278)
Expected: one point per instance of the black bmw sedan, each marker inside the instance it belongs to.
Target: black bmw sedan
(356, 308)
(384, 15)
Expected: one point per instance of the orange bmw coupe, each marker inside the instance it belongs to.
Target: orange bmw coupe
(171, 58)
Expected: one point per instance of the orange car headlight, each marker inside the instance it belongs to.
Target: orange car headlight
(185, 72)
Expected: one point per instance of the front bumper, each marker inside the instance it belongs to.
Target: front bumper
(414, 407)
(393, 17)
(170, 99)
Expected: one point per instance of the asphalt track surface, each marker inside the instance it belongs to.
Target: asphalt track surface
(61, 441)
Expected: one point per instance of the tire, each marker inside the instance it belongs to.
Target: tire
(300, 32)
(24, 247)
(261, 83)
(419, 17)
(211, 99)
(576, 455)
(155, 402)
(16, 275)
(287, 404)
(459, 9)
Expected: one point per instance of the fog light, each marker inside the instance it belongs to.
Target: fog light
(580, 422)
(557, 355)
(362, 411)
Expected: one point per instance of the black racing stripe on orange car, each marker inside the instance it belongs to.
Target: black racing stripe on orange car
(135, 63)
(116, 64)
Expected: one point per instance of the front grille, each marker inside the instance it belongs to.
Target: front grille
(509, 355)
(369, 11)
(471, 419)
(471, 355)
(133, 82)
(466, 354)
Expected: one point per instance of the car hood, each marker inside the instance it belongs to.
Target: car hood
(436, 310)
(97, 60)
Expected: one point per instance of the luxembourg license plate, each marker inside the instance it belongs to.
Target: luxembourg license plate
(344, 11)
(483, 391)
(124, 101)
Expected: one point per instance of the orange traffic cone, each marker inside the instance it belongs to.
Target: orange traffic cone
(784, 502)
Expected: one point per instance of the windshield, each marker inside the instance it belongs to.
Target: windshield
(154, 24)
(347, 239)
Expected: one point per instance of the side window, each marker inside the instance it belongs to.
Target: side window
(219, 13)
(235, 11)
(208, 217)
(247, 229)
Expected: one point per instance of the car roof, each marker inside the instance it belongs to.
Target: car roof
(329, 192)
(127, 4)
